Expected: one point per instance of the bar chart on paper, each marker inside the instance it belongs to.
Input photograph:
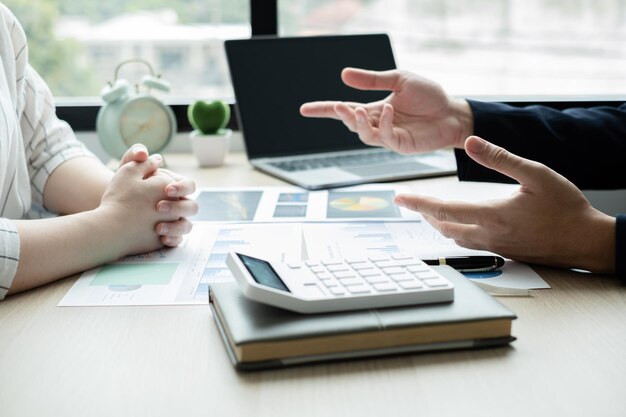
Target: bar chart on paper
(163, 277)
(129, 277)
(182, 275)
(286, 244)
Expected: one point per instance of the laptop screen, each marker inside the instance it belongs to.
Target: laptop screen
(272, 77)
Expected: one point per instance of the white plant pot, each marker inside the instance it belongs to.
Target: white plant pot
(210, 150)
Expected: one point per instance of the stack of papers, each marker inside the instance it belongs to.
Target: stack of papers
(279, 223)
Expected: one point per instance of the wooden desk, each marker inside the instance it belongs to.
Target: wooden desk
(569, 359)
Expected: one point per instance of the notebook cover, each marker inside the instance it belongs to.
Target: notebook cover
(247, 321)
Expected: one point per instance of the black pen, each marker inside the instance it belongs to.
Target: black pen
(469, 263)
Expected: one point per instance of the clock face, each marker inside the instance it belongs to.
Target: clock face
(145, 120)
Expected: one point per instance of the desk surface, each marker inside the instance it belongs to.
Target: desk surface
(569, 359)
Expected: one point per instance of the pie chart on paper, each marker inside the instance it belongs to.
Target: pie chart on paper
(359, 204)
(362, 205)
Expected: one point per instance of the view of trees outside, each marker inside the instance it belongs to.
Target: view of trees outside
(472, 47)
(76, 45)
(487, 47)
(53, 58)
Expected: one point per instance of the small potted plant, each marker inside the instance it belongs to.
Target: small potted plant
(210, 139)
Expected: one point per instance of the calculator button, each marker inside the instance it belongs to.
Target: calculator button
(331, 283)
(386, 264)
(427, 275)
(344, 274)
(405, 276)
(377, 279)
(294, 265)
(332, 262)
(358, 289)
(317, 269)
(378, 258)
(337, 291)
(324, 276)
(361, 265)
(385, 287)
(340, 267)
(433, 283)
(355, 260)
(346, 282)
(313, 290)
(418, 268)
(393, 270)
(369, 272)
(311, 263)
(410, 285)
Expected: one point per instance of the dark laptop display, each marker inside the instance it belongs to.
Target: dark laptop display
(272, 77)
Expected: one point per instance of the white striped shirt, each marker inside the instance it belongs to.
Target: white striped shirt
(33, 142)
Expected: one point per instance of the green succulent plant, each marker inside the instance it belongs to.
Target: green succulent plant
(209, 117)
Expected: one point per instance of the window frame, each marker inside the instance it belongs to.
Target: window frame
(264, 21)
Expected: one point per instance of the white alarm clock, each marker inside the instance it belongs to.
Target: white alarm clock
(129, 116)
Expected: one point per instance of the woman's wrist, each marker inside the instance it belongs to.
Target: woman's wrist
(115, 236)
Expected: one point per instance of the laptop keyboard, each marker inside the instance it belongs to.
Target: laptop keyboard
(380, 157)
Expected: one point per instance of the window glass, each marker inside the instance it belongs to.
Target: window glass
(487, 47)
(76, 45)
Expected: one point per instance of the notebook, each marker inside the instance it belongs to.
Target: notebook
(272, 77)
(257, 336)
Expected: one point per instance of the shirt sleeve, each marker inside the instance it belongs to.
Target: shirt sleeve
(9, 255)
(585, 145)
(48, 141)
(45, 142)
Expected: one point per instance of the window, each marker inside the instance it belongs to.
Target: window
(172, 59)
(76, 46)
(473, 47)
(487, 47)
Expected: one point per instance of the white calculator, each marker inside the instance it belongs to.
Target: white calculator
(340, 284)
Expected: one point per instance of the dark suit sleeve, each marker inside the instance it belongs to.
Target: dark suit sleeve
(586, 145)
(620, 246)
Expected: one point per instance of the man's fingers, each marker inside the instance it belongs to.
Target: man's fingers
(372, 80)
(319, 109)
(325, 108)
(357, 120)
(444, 211)
(499, 159)
(385, 125)
(367, 133)
(463, 234)
(346, 114)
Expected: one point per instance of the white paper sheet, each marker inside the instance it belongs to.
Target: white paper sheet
(291, 204)
(252, 219)
(416, 238)
(181, 275)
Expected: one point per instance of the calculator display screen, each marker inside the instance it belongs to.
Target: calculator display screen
(263, 273)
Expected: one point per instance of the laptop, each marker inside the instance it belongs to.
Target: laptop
(273, 76)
